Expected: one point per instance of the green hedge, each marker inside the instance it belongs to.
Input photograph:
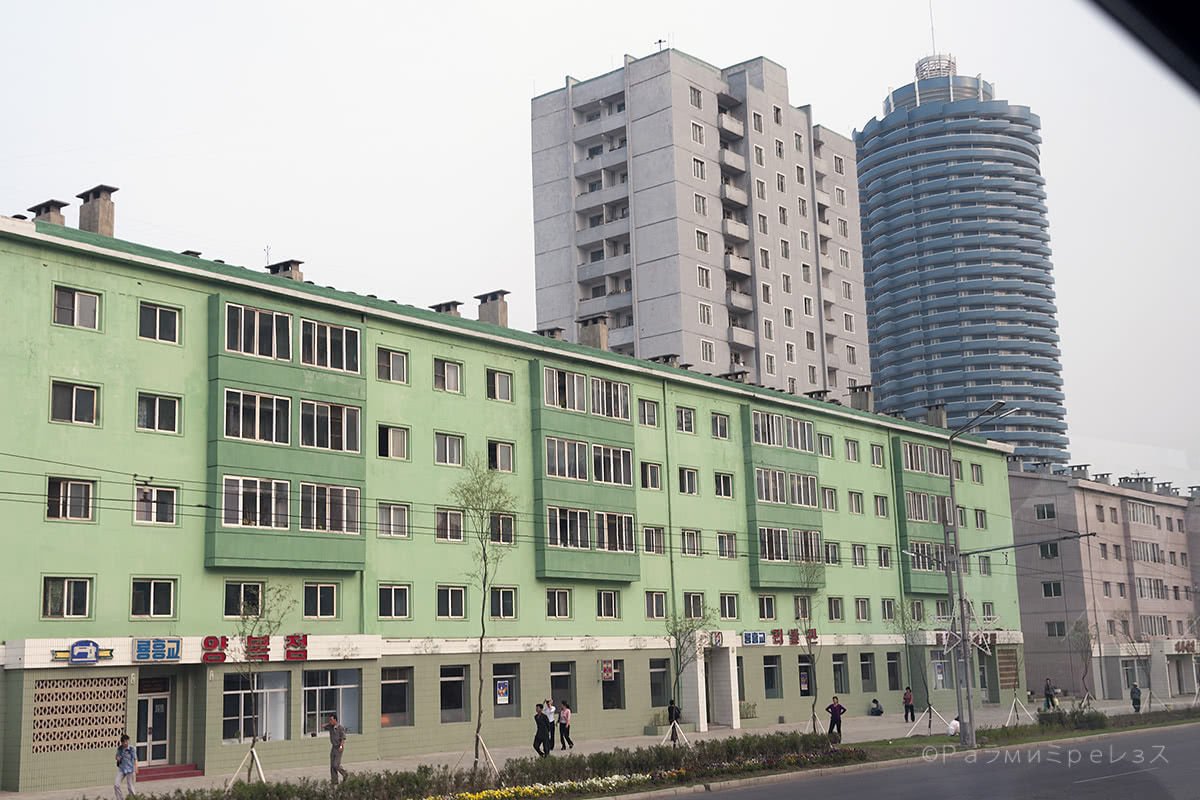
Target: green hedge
(705, 759)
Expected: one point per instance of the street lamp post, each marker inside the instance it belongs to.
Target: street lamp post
(962, 678)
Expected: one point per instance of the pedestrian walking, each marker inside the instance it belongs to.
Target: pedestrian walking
(835, 710)
(126, 767)
(673, 721)
(564, 725)
(337, 745)
(539, 736)
(910, 710)
(551, 717)
(1048, 691)
(1135, 697)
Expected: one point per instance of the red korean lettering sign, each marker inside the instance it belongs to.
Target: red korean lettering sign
(214, 648)
(794, 636)
(258, 648)
(296, 647)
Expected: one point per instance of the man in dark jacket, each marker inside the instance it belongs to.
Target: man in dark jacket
(1135, 697)
(673, 721)
(541, 736)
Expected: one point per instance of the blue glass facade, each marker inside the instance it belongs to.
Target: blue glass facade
(960, 292)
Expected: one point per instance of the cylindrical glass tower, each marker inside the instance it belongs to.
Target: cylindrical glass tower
(960, 295)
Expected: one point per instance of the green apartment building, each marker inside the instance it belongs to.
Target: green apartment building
(186, 435)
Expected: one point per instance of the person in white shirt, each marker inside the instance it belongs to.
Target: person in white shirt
(953, 728)
(551, 714)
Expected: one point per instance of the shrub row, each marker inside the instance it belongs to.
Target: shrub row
(563, 776)
(1081, 719)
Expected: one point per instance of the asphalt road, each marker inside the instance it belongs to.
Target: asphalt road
(1159, 764)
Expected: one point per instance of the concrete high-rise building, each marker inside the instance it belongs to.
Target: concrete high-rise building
(960, 296)
(707, 217)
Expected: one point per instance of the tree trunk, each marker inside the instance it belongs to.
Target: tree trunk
(483, 591)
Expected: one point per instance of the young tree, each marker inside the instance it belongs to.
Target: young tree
(686, 636)
(1082, 638)
(913, 630)
(262, 611)
(1125, 631)
(811, 645)
(485, 500)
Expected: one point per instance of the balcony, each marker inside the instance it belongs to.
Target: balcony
(741, 337)
(734, 195)
(786, 575)
(599, 269)
(621, 337)
(730, 126)
(735, 230)
(737, 265)
(586, 201)
(605, 303)
(740, 300)
(589, 236)
(607, 123)
(606, 160)
(731, 160)
(563, 563)
(923, 581)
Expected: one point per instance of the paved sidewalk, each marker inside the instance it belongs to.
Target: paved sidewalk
(857, 728)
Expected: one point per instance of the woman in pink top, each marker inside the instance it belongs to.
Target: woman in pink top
(564, 725)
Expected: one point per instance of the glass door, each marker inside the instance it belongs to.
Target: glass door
(153, 728)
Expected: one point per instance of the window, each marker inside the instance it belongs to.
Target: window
(977, 473)
(690, 544)
(1044, 510)
(660, 682)
(567, 527)
(833, 553)
(391, 365)
(783, 214)
(708, 351)
(723, 484)
(447, 449)
(772, 677)
(698, 168)
(762, 224)
(985, 565)
(66, 598)
(395, 701)
(843, 231)
(608, 604)
(452, 693)
(700, 203)
(651, 476)
(393, 520)
(451, 601)
(769, 485)
(855, 502)
(848, 322)
(757, 121)
(656, 605)
(839, 195)
(881, 505)
(1120, 589)
(1051, 589)
(760, 189)
(254, 705)
(157, 413)
(1048, 550)
(152, 598)
(393, 442)
(653, 540)
(256, 332)
(328, 508)
(447, 376)
(257, 417)
(648, 413)
(499, 385)
(802, 605)
(835, 609)
(69, 499)
(828, 498)
(876, 455)
(697, 133)
(326, 426)
(614, 532)
(500, 456)
(839, 165)
(858, 555)
(778, 148)
(76, 308)
(759, 156)
(766, 607)
(688, 481)
(612, 692)
(72, 402)
(393, 601)
(1056, 629)
(702, 241)
(558, 603)
(766, 292)
(329, 346)
(336, 692)
(448, 525)
(502, 528)
(706, 315)
(685, 419)
(154, 505)
(564, 389)
(825, 445)
(1107, 589)
(697, 99)
(770, 359)
(887, 609)
(159, 323)
(1116, 549)
(566, 459)
(502, 602)
(769, 330)
(610, 398)
(255, 503)
(980, 519)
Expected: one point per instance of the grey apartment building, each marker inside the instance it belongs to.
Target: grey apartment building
(688, 210)
(1121, 601)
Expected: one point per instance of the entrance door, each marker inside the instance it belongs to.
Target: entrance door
(808, 681)
(153, 728)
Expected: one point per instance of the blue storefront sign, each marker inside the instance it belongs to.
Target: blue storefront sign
(82, 652)
(754, 637)
(163, 648)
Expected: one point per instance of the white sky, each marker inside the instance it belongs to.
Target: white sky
(387, 146)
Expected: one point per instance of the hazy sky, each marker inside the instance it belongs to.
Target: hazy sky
(387, 146)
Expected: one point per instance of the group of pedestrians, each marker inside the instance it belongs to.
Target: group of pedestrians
(546, 717)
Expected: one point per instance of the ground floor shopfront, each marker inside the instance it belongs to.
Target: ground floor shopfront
(1170, 668)
(191, 700)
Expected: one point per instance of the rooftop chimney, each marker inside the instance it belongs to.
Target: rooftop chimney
(192, 253)
(935, 415)
(670, 359)
(286, 269)
(493, 308)
(862, 398)
(449, 307)
(550, 333)
(593, 330)
(817, 394)
(49, 211)
(97, 214)
(1194, 491)
(20, 217)
(1137, 482)
(1102, 477)
(1080, 471)
(1165, 488)
(737, 376)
